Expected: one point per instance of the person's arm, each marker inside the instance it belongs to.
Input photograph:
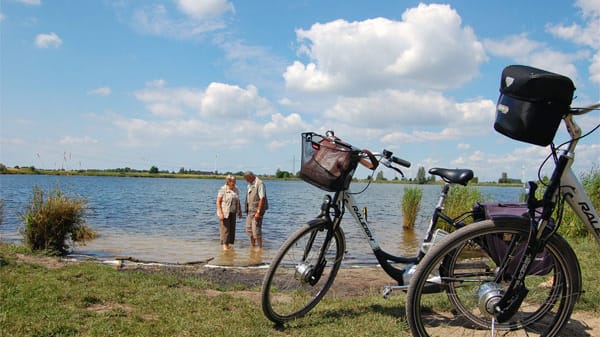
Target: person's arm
(219, 207)
(260, 209)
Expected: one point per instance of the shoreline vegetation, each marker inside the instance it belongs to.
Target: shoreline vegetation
(188, 174)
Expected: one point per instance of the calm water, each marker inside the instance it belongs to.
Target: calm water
(174, 220)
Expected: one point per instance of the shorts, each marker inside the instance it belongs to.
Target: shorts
(254, 227)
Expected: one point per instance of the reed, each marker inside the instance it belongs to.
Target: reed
(460, 201)
(53, 219)
(411, 201)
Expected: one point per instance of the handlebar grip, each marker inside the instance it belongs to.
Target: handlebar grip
(373, 162)
(402, 162)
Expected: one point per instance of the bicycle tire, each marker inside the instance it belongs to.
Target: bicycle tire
(464, 261)
(290, 287)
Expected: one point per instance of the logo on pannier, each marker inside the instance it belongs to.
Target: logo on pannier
(502, 108)
(508, 81)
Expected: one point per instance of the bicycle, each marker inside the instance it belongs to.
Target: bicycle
(307, 263)
(513, 275)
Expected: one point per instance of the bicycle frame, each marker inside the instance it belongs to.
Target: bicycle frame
(344, 200)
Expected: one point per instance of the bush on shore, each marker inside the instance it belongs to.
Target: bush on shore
(54, 219)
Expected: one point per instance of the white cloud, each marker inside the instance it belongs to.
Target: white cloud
(222, 115)
(158, 20)
(47, 40)
(205, 8)
(428, 48)
(463, 146)
(391, 109)
(587, 34)
(30, 2)
(534, 53)
(280, 124)
(169, 102)
(70, 140)
(101, 91)
(230, 101)
(2, 17)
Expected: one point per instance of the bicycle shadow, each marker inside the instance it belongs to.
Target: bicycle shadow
(329, 316)
(574, 328)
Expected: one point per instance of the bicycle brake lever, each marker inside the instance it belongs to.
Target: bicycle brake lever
(388, 164)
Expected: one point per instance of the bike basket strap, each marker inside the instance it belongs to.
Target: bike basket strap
(531, 104)
(326, 162)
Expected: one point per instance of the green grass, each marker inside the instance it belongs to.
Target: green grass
(91, 299)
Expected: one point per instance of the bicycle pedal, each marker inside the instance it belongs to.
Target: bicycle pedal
(387, 290)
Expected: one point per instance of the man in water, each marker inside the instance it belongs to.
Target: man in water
(256, 205)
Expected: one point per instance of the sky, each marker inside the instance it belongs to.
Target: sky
(228, 86)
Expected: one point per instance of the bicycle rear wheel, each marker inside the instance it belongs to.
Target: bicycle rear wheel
(467, 265)
(297, 280)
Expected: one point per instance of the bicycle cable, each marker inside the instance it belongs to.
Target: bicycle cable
(554, 150)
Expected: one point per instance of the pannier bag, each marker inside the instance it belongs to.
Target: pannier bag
(326, 162)
(497, 246)
(532, 103)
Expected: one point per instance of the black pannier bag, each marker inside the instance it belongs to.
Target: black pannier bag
(532, 103)
(326, 162)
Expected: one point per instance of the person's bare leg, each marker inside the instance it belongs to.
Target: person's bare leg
(259, 240)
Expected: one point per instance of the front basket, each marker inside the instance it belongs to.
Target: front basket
(326, 162)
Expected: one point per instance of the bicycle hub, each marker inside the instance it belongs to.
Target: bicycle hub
(489, 295)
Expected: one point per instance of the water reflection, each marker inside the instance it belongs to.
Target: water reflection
(240, 257)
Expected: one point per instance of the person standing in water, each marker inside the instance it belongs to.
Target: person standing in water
(228, 204)
(256, 205)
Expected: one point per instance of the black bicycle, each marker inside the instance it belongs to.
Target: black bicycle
(307, 263)
(513, 275)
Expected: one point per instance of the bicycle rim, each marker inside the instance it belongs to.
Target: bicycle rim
(295, 281)
(466, 265)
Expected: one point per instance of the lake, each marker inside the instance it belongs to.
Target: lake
(174, 220)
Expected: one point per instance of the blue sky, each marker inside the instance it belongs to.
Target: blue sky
(230, 85)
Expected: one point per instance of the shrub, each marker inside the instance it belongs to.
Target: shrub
(53, 221)
(411, 201)
(460, 201)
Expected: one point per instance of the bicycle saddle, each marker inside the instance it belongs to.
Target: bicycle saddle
(455, 176)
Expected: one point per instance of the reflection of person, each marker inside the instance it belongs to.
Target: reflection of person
(228, 204)
(256, 205)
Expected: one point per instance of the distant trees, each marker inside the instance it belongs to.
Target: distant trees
(282, 174)
(504, 179)
(421, 178)
(153, 170)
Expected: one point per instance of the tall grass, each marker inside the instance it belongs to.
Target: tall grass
(54, 219)
(461, 200)
(411, 201)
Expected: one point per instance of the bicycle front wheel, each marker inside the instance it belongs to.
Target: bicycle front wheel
(302, 271)
(467, 266)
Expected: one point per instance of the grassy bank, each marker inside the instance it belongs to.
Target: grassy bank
(40, 296)
(90, 299)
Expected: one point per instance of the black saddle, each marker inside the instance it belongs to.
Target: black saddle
(454, 176)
